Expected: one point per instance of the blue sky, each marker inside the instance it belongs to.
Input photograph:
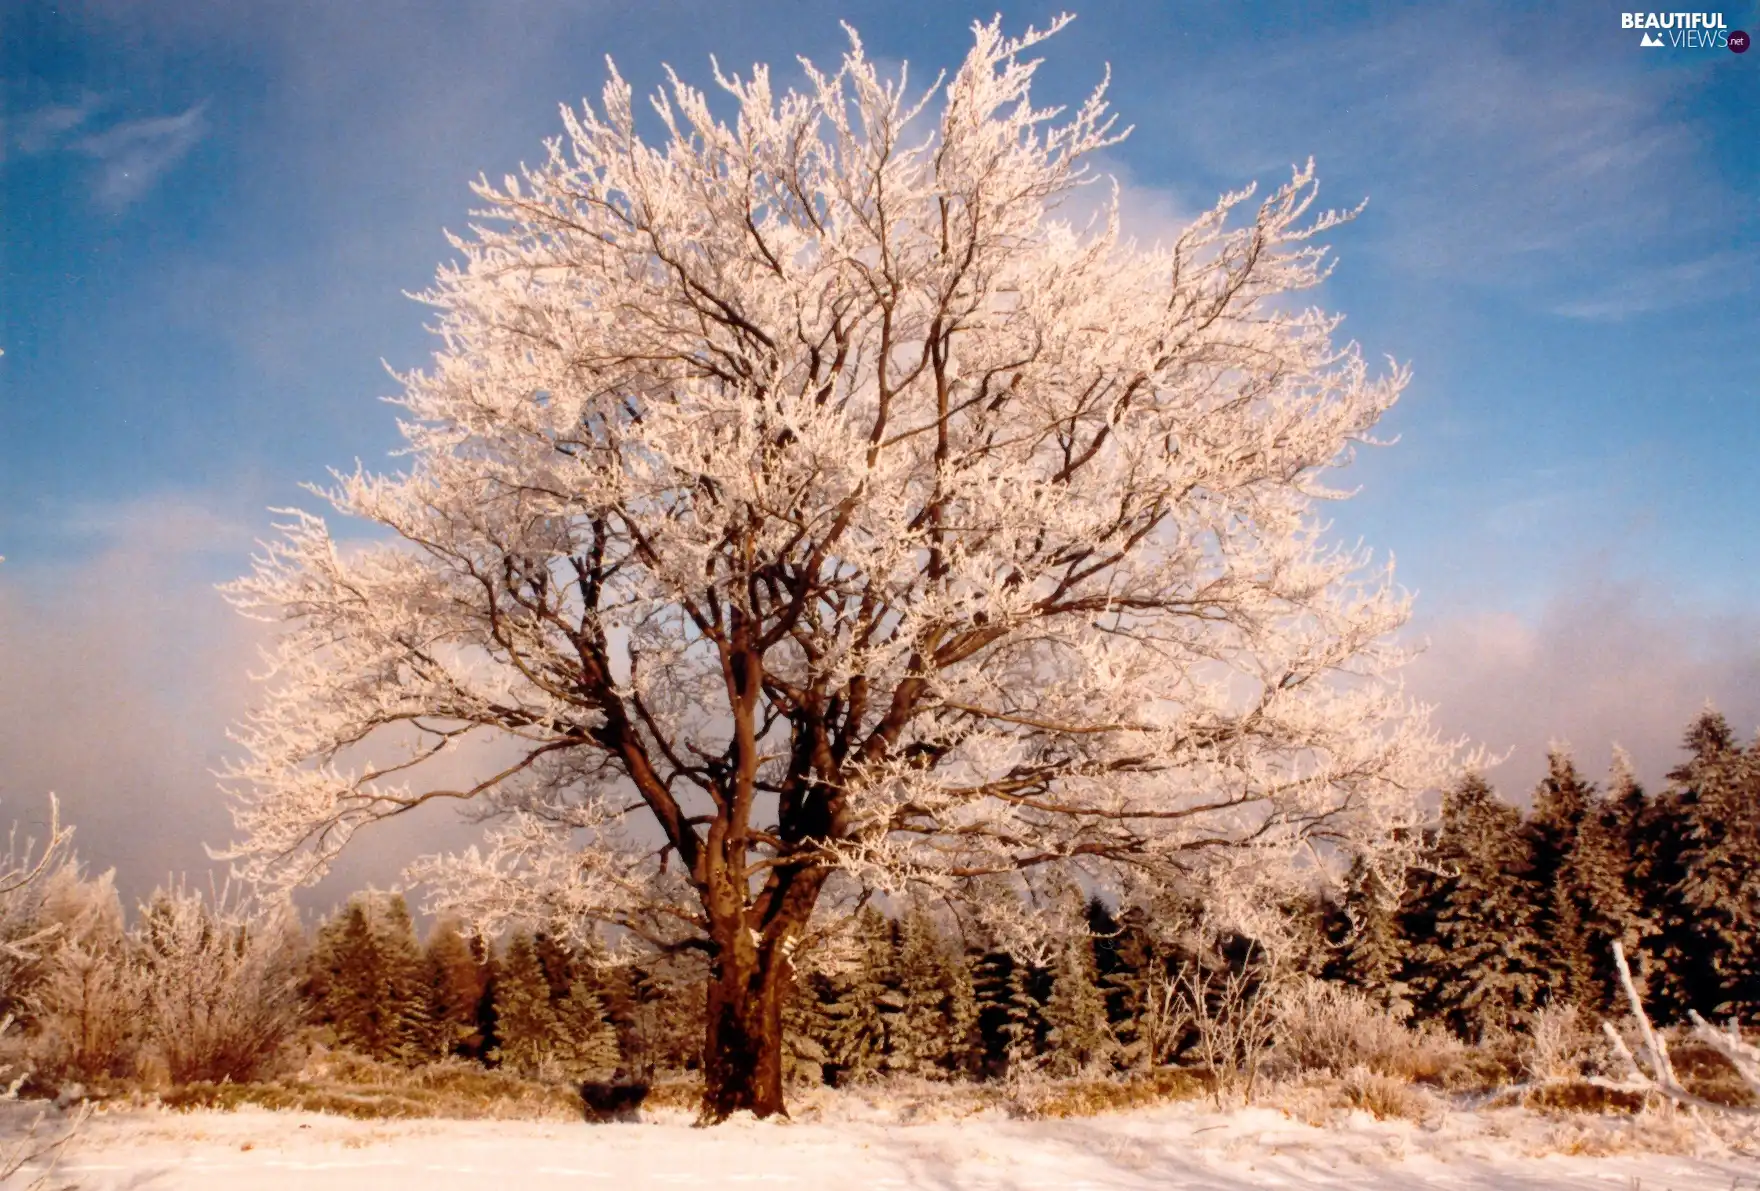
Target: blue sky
(209, 212)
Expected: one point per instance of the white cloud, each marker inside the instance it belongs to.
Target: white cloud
(120, 670)
(134, 154)
(1605, 662)
(43, 128)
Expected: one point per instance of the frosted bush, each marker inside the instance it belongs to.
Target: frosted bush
(219, 981)
(86, 1003)
(1326, 1027)
(1559, 1045)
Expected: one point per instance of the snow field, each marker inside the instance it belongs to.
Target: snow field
(1178, 1147)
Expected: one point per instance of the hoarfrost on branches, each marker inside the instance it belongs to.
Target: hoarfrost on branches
(807, 495)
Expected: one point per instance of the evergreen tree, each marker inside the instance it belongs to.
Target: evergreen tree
(550, 1017)
(991, 972)
(525, 1022)
(1582, 863)
(489, 965)
(1024, 1028)
(1133, 975)
(367, 983)
(1079, 1035)
(859, 1000)
(966, 1053)
(664, 1011)
(453, 979)
(585, 1042)
(1369, 943)
(1567, 878)
(928, 1037)
(1477, 963)
(806, 1030)
(1706, 883)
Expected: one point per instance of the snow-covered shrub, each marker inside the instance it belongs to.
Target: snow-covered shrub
(1385, 1097)
(23, 935)
(1233, 1012)
(220, 983)
(1326, 1027)
(1559, 1045)
(86, 1004)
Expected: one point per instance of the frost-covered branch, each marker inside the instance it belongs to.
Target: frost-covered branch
(1656, 1073)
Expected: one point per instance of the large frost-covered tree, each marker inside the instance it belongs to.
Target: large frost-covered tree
(812, 493)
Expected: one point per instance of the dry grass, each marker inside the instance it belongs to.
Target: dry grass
(1323, 1099)
(1580, 1096)
(1665, 1132)
(1705, 1073)
(1093, 1097)
(451, 1093)
(910, 1099)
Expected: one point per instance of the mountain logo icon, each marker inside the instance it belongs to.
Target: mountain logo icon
(1651, 41)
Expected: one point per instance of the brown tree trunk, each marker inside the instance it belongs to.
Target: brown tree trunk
(742, 1052)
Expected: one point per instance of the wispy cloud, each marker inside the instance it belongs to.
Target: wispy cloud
(42, 129)
(134, 154)
(1665, 286)
(1574, 183)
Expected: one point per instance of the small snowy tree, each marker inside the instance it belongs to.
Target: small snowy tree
(85, 1005)
(805, 502)
(24, 869)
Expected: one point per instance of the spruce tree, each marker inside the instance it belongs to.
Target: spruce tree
(453, 980)
(1708, 916)
(859, 1000)
(1079, 1036)
(991, 971)
(1600, 878)
(1024, 1028)
(1567, 879)
(806, 1030)
(525, 1022)
(584, 1045)
(966, 1055)
(928, 1037)
(1369, 946)
(1133, 975)
(1477, 963)
(368, 982)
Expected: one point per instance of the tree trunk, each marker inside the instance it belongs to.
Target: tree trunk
(742, 1052)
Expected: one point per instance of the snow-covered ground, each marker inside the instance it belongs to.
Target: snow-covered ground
(1179, 1146)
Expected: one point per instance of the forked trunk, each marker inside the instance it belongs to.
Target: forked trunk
(742, 1052)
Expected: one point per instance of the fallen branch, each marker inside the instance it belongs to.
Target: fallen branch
(1661, 1079)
